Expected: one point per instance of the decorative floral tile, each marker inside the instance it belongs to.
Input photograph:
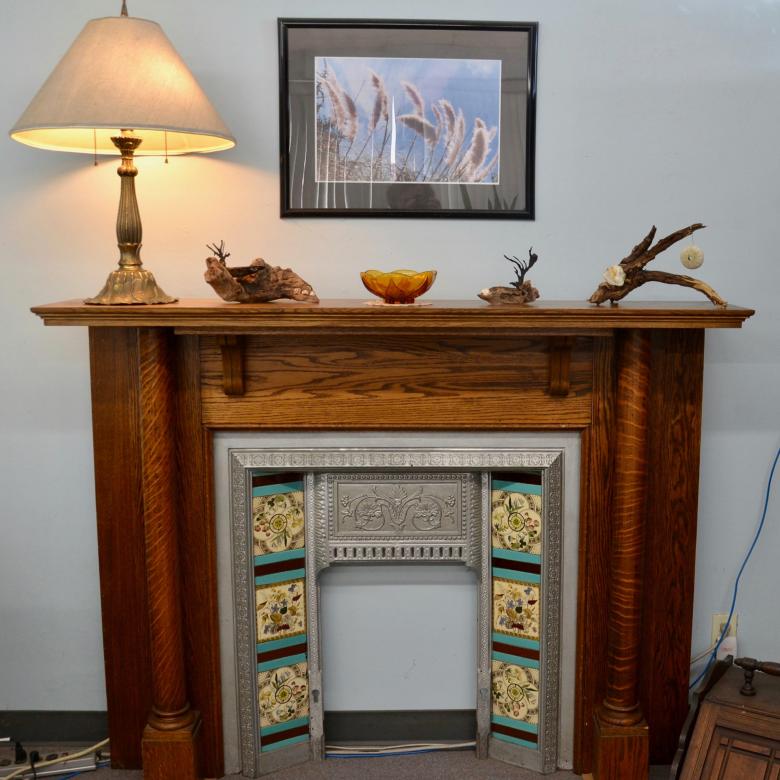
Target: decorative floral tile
(284, 694)
(516, 520)
(516, 608)
(278, 522)
(515, 692)
(281, 610)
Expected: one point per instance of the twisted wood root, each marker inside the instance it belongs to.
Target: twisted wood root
(633, 265)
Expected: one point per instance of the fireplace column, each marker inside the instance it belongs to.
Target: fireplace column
(169, 746)
(134, 419)
(621, 734)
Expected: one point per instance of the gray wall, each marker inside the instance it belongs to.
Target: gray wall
(662, 113)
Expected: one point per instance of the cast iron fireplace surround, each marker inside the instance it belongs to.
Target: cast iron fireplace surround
(400, 505)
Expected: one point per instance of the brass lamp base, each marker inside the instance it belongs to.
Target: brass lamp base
(130, 285)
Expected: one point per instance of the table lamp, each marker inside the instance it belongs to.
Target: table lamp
(121, 88)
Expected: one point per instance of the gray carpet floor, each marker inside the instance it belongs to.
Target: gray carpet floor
(462, 765)
(442, 766)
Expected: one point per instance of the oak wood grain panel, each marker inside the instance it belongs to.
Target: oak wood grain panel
(597, 447)
(197, 534)
(114, 368)
(170, 707)
(621, 752)
(621, 701)
(351, 316)
(670, 535)
(360, 382)
(173, 755)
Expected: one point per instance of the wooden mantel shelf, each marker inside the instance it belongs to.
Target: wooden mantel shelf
(164, 379)
(575, 317)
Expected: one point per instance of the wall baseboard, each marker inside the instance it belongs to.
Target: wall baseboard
(54, 725)
(400, 725)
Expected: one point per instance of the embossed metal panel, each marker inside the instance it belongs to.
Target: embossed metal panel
(397, 516)
(396, 506)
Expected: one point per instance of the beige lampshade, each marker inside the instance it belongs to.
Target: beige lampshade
(122, 73)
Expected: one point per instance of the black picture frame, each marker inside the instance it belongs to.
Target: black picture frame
(509, 194)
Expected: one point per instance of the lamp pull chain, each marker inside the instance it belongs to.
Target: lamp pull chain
(124, 8)
(94, 143)
(166, 146)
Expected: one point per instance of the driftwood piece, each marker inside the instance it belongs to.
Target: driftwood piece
(521, 291)
(506, 295)
(635, 276)
(255, 283)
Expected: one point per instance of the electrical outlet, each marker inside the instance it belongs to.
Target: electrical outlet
(729, 644)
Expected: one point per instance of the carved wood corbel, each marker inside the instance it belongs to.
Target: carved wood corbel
(559, 363)
(233, 349)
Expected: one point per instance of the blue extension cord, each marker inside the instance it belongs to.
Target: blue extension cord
(100, 764)
(714, 653)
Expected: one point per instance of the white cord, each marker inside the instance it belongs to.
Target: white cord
(704, 653)
(390, 749)
(59, 760)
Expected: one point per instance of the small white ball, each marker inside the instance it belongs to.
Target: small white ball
(692, 256)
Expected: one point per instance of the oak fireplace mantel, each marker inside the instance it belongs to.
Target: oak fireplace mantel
(164, 378)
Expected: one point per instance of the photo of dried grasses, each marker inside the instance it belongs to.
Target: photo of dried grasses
(407, 120)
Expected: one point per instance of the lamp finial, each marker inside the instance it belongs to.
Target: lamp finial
(124, 8)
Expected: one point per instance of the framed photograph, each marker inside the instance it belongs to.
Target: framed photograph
(393, 118)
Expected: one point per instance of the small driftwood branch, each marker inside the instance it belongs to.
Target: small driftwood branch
(219, 251)
(255, 283)
(521, 268)
(635, 276)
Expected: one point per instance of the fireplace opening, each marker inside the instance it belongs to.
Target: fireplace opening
(302, 520)
(399, 650)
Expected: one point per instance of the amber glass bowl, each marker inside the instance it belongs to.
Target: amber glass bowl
(401, 286)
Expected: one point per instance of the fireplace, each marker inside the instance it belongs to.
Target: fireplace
(165, 380)
(496, 509)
